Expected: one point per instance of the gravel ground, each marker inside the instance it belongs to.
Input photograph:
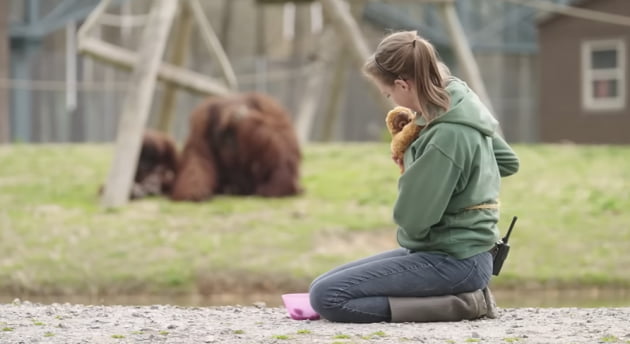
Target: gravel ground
(26, 322)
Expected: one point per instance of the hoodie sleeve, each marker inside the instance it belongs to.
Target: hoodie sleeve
(423, 195)
(505, 156)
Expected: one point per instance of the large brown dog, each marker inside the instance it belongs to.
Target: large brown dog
(243, 144)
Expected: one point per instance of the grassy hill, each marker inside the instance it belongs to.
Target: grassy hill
(572, 202)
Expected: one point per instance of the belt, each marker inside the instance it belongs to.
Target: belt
(485, 206)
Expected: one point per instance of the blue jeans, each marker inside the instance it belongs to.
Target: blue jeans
(358, 292)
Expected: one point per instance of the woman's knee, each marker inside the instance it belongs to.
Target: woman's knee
(317, 294)
(325, 297)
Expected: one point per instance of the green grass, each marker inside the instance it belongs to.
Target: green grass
(281, 337)
(378, 334)
(571, 201)
(573, 227)
(609, 339)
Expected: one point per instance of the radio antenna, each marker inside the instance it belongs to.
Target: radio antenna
(507, 236)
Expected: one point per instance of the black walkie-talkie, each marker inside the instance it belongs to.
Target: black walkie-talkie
(501, 250)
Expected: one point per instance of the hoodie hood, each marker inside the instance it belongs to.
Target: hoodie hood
(466, 109)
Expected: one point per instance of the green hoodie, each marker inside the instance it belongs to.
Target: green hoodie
(455, 163)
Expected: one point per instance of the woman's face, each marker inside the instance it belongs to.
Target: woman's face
(401, 92)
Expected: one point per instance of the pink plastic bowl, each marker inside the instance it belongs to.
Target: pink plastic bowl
(299, 306)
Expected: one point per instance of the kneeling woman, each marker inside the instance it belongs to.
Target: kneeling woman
(447, 206)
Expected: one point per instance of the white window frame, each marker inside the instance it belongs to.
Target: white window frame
(589, 102)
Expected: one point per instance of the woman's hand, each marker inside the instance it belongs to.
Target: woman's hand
(400, 163)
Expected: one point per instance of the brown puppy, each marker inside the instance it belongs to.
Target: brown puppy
(404, 131)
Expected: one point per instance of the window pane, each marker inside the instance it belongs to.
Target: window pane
(603, 59)
(604, 89)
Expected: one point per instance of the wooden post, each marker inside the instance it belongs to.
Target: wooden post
(5, 132)
(226, 24)
(312, 90)
(213, 44)
(91, 21)
(181, 34)
(577, 12)
(125, 59)
(71, 69)
(260, 60)
(299, 52)
(339, 76)
(464, 53)
(138, 102)
(526, 121)
(341, 17)
(336, 93)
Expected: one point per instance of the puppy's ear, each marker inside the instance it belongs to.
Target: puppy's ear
(397, 118)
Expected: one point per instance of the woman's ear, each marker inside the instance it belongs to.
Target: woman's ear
(403, 84)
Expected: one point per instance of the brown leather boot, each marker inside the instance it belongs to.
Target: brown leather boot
(491, 305)
(464, 306)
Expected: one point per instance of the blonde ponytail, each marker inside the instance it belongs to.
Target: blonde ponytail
(404, 55)
(430, 84)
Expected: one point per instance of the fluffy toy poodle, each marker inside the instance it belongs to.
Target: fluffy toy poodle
(401, 125)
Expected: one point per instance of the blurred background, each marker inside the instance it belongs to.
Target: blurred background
(51, 93)
(554, 72)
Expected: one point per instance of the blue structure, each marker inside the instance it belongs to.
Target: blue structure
(491, 25)
(495, 27)
(26, 38)
(503, 36)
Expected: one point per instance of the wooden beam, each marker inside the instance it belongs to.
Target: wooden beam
(464, 54)
(213, 44)
(179, 50)
(351, 36)
(90, 22)
(342, 19)
(577, 12)
(137, 103)
(125, 59)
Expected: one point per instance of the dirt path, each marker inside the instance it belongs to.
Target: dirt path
(24, 322)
